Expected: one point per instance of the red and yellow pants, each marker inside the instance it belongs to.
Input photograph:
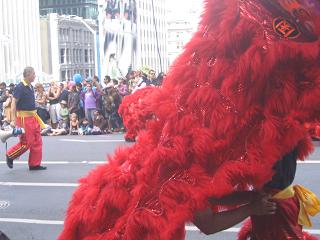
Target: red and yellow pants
(31, 140)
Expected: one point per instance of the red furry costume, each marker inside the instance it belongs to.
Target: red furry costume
(233, 104)
(245, 233)
(313, 129)
(134, 111)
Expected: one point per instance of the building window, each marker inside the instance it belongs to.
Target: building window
(74, 56)
(68, 55)
(43, 12)
(60, 33)
(63, 75)
(62, 55)
(67, 34)
(80, 35)
(91, 56)
(79, 56)
(86, 57)
(69, 73)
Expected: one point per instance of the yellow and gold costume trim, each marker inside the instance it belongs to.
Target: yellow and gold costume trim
(23, 114)
(309, 203)
(17, 152)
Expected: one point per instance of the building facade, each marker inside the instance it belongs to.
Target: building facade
(87, 9)
(152, 35)
(68, 46)
(19, 38)
(182, 24)
(179, 33)
(132, 34)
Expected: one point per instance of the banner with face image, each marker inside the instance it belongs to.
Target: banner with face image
(118, 36)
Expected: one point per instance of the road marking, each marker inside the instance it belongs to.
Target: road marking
(59, 162)
(235, 230)
(96, 162)
(55, 222)
(92, 141)
(103, 162)
(195, 229)
(309, 162)
(31, 184)
(32, 221)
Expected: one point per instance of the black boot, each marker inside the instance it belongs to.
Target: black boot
(9, 162)
(32, 168)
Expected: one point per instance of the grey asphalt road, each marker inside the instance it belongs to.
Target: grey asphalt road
(33, 204)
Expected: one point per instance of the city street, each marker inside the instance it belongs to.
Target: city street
(33, 204)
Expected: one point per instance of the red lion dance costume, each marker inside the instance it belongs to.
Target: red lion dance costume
(134, 110)
(233, 104)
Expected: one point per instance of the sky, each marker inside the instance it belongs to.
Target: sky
(177, 4)
(182, 7)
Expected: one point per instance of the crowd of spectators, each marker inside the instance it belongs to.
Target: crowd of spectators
(89, 107)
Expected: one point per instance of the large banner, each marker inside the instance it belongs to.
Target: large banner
(118, 36)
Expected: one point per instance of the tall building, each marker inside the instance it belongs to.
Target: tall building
(152, 35)
(68, 46)
(132, 35)
(82, 8)
(179, 33)
(183, 19)
(19, 38)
